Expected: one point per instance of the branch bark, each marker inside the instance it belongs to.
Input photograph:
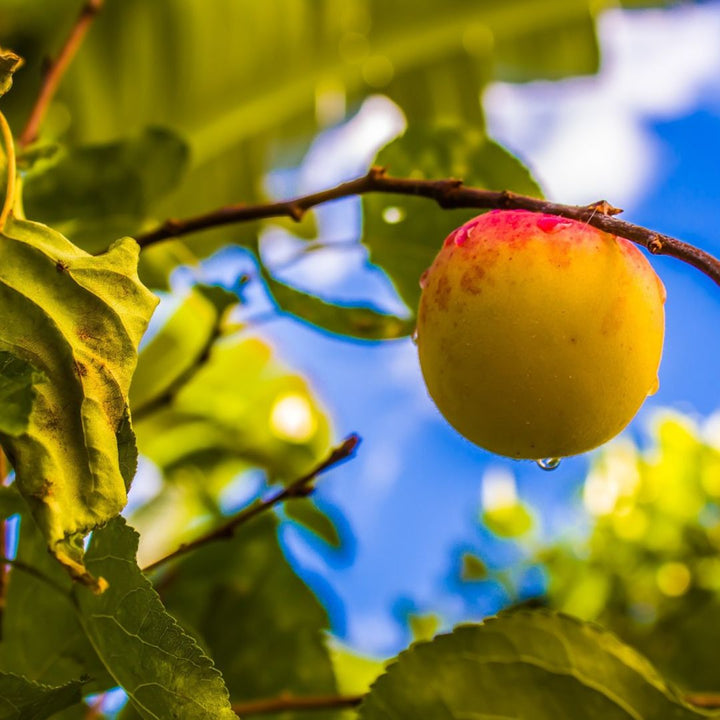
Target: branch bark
(288, 703)
(56, 70)
(302, 487)
(448, 193)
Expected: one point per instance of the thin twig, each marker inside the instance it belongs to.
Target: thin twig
(708, 701)
(30, 570)
(56, 69)
(299, 488)
(448, 193)
(288, 703)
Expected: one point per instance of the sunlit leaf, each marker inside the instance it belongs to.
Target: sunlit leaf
(509, 521)
(525, 666)
(405, 233)
(77, 319)
(180, 346)
(241, 404)
(9, 63)
(160, 667)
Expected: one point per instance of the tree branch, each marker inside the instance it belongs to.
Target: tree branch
(299, 488)
(55, 71)
(447, 193)
(287, 703)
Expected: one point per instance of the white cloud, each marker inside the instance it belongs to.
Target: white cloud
(585, 138)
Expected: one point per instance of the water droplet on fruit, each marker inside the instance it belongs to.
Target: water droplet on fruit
(552, 223)
(548, 463)
(424, 279)
(414, 336)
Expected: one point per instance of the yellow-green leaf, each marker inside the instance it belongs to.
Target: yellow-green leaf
(77, 319)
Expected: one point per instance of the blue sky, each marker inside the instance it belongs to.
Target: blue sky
(645, 135)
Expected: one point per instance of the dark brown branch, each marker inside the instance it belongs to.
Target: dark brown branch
(56, 69)
(447, 193)
(288, 703)
(302, 487)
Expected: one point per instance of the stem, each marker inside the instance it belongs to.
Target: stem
(23, 567)
(56, 70)
(448, 193)
(709, 701)
(9, 145)
(299, 488)
(287, 703)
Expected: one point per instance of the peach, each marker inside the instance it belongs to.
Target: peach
(538, 336)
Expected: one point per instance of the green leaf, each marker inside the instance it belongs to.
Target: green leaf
(355, 673)
(263, 626)
(77, 319)
(96, 193)
(9, 63)
(424, 627)
(306, 513)
(240, 405)
(179, 347)
(42, 638)
(349, 320)
(524, 666)
(403, 233)
(17, 394)
(510, 521)
(21, 699)
(161, 668)
(473, 568)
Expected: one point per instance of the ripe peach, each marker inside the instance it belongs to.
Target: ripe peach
(538, 336)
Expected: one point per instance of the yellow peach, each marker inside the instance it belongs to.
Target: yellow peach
(539, 336)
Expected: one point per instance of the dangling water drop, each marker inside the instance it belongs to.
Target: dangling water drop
(548, 463)
(414, 336)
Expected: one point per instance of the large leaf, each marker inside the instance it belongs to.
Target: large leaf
(404, 233)
(77, 319)
(42, 638)
(161, 668)
(262, 625)
(524, 666)
(21, 699)
(94, 194)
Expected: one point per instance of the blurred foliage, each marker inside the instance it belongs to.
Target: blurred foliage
(287, 69)
(649, 568)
